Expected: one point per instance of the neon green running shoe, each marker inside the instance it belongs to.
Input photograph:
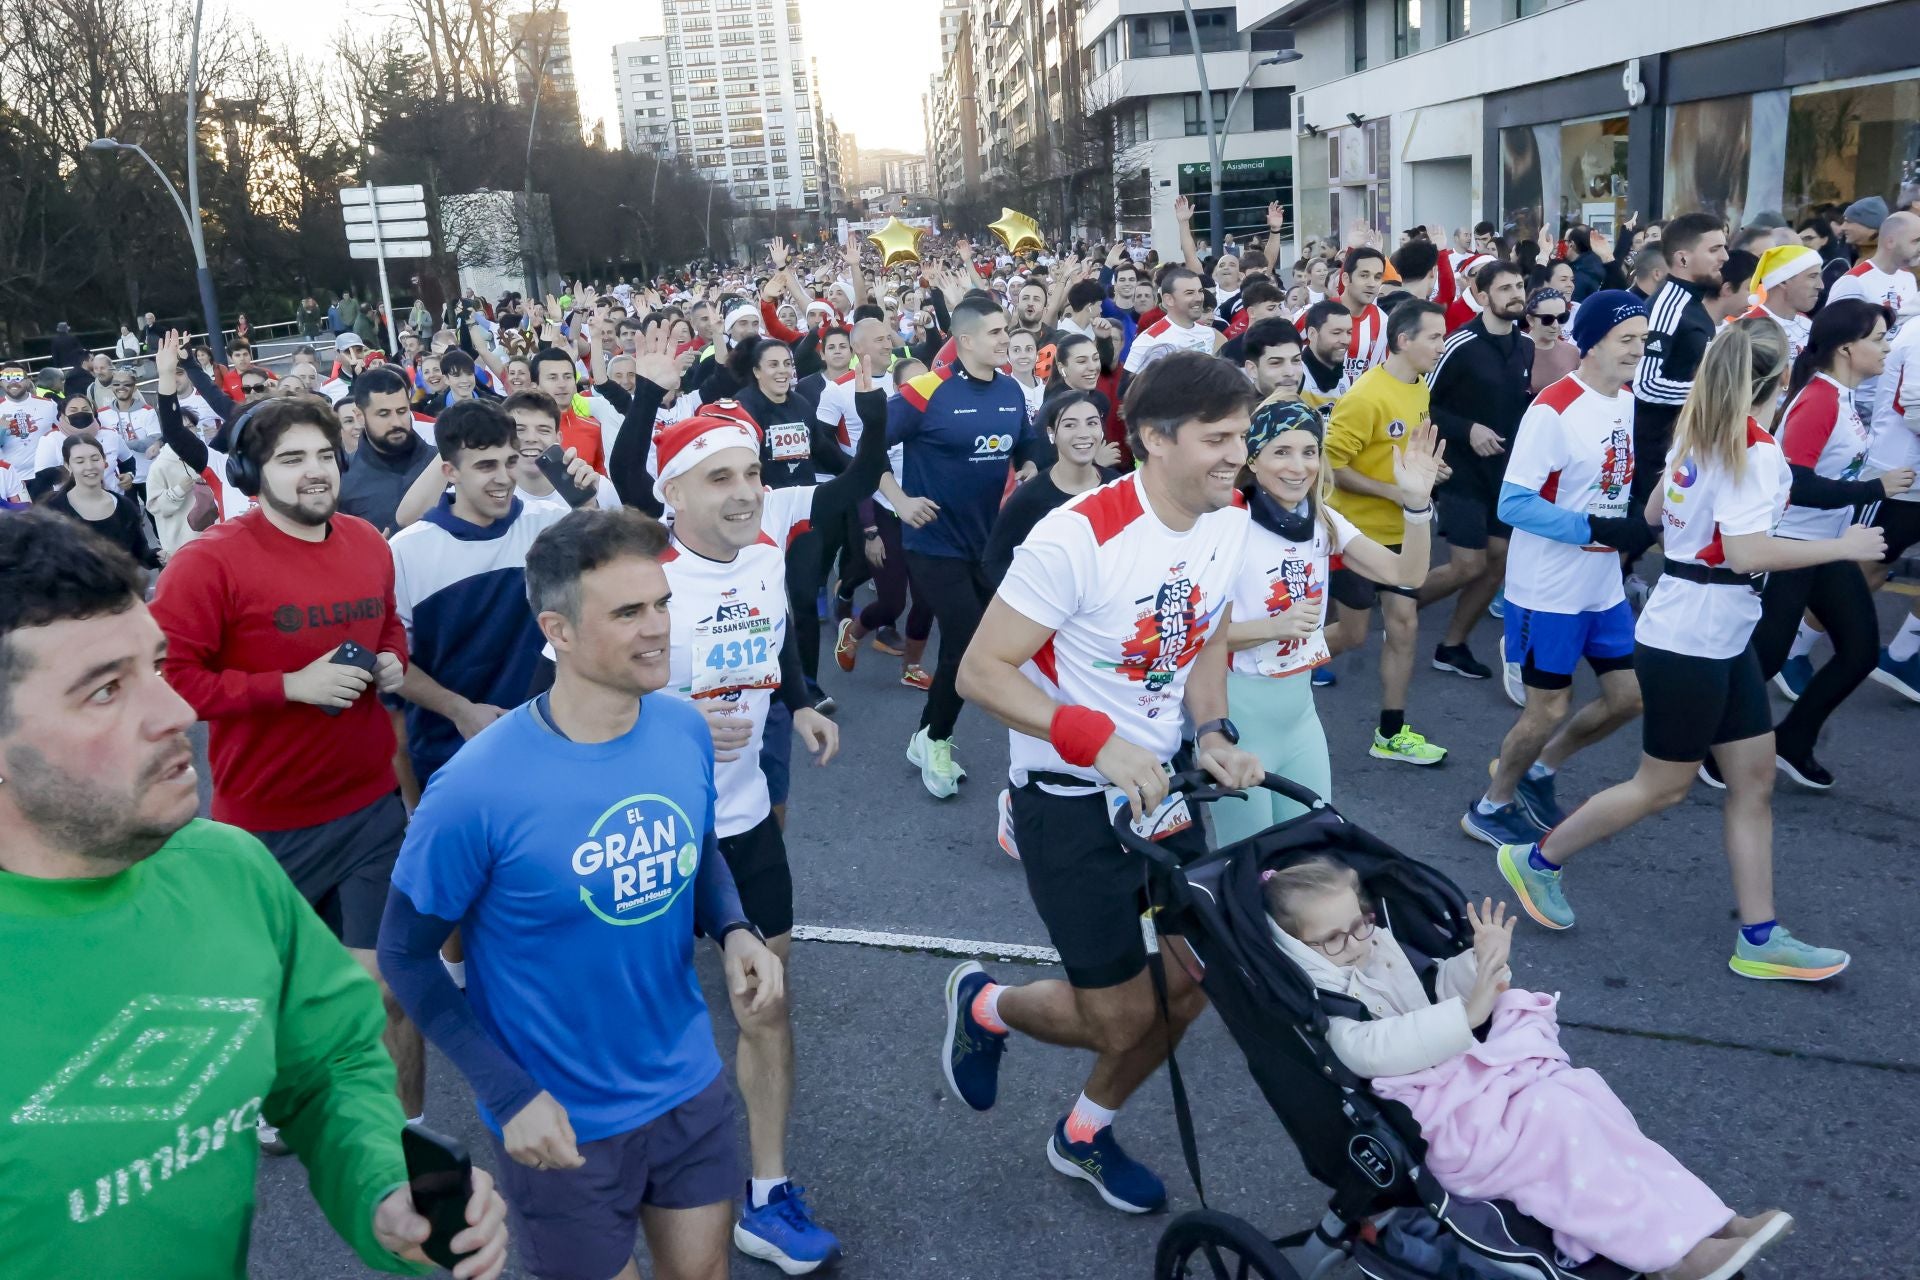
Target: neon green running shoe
(1406, 746)
(1784, 958)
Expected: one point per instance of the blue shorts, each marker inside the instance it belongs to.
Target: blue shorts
(1548, 646)
(776, 749)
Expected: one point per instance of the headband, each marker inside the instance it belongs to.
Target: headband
(1276, 416)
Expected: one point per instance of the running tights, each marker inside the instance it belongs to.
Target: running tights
(890, 581)
(804, 576)
(959, 591)
(1838, 596)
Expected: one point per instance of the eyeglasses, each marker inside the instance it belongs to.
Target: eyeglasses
(1545, 317)
(1338, 942)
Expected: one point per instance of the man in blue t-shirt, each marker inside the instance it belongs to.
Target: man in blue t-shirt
(577, 890)
(961, 430)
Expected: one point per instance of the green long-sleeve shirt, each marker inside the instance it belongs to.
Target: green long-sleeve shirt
(149, 1018)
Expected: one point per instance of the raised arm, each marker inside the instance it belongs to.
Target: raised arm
(179, 437)
(1189, 251)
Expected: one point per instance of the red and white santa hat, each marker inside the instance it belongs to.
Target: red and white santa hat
(686, 444)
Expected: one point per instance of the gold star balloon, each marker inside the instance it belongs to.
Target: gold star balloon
(897, 242)
(1017, 231)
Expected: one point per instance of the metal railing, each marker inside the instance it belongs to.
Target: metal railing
(255, 333)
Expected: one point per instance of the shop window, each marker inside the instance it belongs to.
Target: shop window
(1844, 142)
(1552, 175)
(1726, 156)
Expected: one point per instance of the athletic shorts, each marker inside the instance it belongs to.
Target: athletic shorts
(776, 751)
(1548, 646)
(1349, 588)
(1468, 504)
(1088, 890)
(582, 1224)
(345, 867)
(1900, 521)
(758, 859)
(1696, 703)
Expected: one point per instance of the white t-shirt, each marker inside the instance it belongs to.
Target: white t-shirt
(1703, 506)
(1035, 394)
(13, 488)
(1277, 573)
(139, 425)
(1822, 432)
(1798, 328)
(1163, 336)
(729, 620)
(605, 497)
(1574, 447)
(1898, 291)
(837, 410)
(1896, 414)
(22, 423)
(1130, 603)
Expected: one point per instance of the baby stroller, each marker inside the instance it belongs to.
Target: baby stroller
(1366, 1150)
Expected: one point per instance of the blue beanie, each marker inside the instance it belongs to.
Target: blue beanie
(1601, 314)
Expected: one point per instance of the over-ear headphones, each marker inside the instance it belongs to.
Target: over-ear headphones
(243, 473)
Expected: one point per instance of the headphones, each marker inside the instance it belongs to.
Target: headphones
(243, 473)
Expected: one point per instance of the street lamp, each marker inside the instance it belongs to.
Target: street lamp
(1216, 203)
(209, 306)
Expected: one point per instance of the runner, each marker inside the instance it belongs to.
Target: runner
(1093, 645)
(1787, 282)
(24, 418)
(1369, 426)
(1896, 446)
(157, 957)
(1272, 358)
(1678, 331)
(1328, 329)
(1365, 271)
(1568, 481)
(583, 1032)
(1727, 485)
(1183, 300)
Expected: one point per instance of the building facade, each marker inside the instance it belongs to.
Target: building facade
(543, 57)
(1539, 113)
(742, 104)
(643, 94)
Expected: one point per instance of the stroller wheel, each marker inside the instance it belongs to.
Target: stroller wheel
(1209, 1245)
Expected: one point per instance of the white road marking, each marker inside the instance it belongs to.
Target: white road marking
(967, 947)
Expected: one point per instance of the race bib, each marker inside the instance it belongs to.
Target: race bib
(790, 442)
(734, 655)
(1171, 818)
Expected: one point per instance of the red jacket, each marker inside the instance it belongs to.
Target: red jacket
(242, 605)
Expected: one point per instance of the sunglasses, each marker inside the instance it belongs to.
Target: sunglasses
(1546, 318)
(253, 388)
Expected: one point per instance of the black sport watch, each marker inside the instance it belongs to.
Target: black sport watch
(733, 925)
(1223, 726)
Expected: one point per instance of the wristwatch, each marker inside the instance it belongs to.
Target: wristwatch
(728, 928)
(1223, 726)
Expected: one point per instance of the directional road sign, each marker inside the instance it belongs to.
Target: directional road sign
(388, 249)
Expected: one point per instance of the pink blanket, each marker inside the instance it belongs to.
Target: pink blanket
(1510, 1119)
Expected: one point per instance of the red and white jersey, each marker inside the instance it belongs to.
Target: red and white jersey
(1164, 336)
(1278, 573)
(1823, 432)
(1368, 345)
(22, 423)
(1896, 411)
(1797, 329)
(1897, 291)
(729, 621)
(1573, 447)
(1702, 506)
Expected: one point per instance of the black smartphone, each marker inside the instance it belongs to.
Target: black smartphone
(350, 654)
(553, 465)
(440, 1176)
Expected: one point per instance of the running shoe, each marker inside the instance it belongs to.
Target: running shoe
(822, 701)
(1323, 677)
(1459, 659)
(915, 676)
(1508, 824)
(1535, 795)
(271, 1142)
(1122, 1181)
(1539, 891)
(782, 1231)
(1497, 607)
(1806, 771)
(1510, 678)
(887, 641)
(940, 773)
(1709, 772)
(1405, 745)
(1902, 677)
(970, 1056)
(1791, 679)
(1783, 957)
(1008, 845)
(846, 650)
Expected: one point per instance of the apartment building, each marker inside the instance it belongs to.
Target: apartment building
(543, 55)
(642, 95)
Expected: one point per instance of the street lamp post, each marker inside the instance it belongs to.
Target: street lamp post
(1216, 138)
(209, 305)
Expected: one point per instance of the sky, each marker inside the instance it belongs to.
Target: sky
(871, 77)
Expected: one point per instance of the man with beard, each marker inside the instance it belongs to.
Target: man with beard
(391, 453)
(1328, 329)
(124, 923)
(257, 611)
(1679, 327)
(1183, 301)
(1272, 358)
(24, 418)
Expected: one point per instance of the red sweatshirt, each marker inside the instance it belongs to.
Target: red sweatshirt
(243, 604)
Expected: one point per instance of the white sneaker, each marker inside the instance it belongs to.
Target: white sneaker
(1008, 845)
(1510, 678)
(270, 1142)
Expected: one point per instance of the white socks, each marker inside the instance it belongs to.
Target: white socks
(1087, 1119)
(1907, 642)
(763, 1190)
(1803, 641)
(457, 970)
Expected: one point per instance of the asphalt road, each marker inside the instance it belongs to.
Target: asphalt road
(1778, 1094)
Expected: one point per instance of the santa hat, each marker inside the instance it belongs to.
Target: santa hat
(687, 443)
(1781, 263)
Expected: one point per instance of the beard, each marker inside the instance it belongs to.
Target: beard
(309, 512)
(74, 814)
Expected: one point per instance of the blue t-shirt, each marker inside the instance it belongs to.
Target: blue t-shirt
(570, 867)
(960, 435)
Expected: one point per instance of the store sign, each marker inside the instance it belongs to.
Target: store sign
(1271, 169)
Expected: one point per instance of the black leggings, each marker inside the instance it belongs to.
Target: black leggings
(959, 591)
(1838, 596)
(804, 576)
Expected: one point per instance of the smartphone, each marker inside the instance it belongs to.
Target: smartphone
(440, 1176)
(553, 465)
(350, 654)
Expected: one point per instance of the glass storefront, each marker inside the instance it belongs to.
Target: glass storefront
(1851, 140)
(1562, 173)
(1724, 156)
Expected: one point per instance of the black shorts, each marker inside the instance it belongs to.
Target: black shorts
(1900, 521)
(345, 867)
(758, 859)
(1468, 504)
(1088, 890)
(1692, 703)
(1350, 588)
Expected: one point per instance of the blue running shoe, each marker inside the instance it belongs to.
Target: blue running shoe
(1497, 607)
(1323, 677)
(971, 1059)
(1902, 677)
(783, 1232)
(1122, 1181)
(1792, 677)
(1509, 824)
(1539, 891)
(1536, 797)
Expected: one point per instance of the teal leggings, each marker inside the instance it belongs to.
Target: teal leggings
(1277, 722)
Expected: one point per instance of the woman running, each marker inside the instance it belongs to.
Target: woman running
(1726, 488)
(87, 499)
(1277, 636)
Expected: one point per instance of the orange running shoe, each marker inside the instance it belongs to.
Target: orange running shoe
(846, 650)
(915, 677)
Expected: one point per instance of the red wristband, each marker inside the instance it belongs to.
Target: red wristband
(1078, 733)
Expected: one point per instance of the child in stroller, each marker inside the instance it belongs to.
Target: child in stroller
(1503, 1113)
